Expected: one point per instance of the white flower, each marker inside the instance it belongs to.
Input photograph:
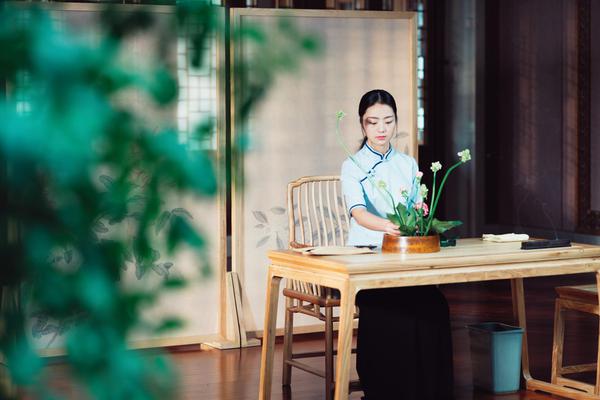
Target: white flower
(436, 166)
(464, 155)
(423, 191)
(403, 191)
(419, 175)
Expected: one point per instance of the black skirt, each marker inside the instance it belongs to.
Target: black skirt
(404, 348)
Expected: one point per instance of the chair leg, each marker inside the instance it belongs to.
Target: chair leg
(329, 353)
(557, 341)
(597, 387)
(288, 336)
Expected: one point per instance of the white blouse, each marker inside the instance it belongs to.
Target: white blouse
(393, 169)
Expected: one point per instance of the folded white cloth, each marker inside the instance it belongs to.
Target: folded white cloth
(333, 250)
(505, 237)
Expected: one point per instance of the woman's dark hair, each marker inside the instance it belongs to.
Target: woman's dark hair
(377, 96)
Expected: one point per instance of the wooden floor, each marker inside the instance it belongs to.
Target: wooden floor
(234, 374)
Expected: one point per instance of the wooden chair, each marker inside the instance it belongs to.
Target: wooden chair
(317, 217)
(582, 298)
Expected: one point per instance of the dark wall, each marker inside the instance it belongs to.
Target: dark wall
(523, 148)
(514, 80)
(591, 201)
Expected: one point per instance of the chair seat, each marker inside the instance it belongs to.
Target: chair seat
(319, 300)
(582, 293)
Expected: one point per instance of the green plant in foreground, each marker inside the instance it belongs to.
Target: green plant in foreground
(72, 156)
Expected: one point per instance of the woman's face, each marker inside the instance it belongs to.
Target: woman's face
(379, 126)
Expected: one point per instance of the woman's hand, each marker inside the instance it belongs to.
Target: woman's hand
(391, 229)
(373, 222)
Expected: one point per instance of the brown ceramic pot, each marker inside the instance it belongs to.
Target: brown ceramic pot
(410, 244)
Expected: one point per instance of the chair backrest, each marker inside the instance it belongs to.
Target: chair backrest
(317, 212)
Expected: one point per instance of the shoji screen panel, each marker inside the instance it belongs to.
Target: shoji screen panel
(292, 132)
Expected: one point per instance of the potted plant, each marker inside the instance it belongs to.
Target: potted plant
(416, 220)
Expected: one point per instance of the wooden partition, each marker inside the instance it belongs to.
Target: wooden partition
(292, 133)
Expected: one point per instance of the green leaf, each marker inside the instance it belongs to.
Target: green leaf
(163, 87)
(311, 45)
(401, 208)
(174, 283)
(96, 291)
(85, 346)
(113, 250)
(394, 219)
(411, 219)
(206, 269)
(204, 130)
(254, 33)
(408, 230)
(135, 199)
(168, 324)
(181, 231)
(442, 226)
(23, 362)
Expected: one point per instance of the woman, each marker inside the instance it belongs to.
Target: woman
(404, 348)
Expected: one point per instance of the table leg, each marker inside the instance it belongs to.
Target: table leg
(269, 333)
(518, 300)
(597, 387)
(344, 350)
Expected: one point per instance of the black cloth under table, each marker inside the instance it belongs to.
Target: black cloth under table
(404, 347)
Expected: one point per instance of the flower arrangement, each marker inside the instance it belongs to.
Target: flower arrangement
(413, 218)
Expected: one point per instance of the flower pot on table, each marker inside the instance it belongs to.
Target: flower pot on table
(410, 244)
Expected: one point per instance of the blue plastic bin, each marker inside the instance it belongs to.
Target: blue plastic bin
(496, 356)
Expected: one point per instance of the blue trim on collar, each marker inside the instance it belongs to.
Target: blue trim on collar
(376, 164)
(389, 152)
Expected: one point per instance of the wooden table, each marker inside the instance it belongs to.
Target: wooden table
(471, 260)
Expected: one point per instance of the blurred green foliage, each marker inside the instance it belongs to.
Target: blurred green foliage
(55, 201)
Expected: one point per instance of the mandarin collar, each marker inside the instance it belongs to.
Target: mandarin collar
(377, 156)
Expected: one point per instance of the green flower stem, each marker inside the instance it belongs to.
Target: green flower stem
(433, 199)
(394, 208)
(381, 190)
(341, 142)
(434, 203)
